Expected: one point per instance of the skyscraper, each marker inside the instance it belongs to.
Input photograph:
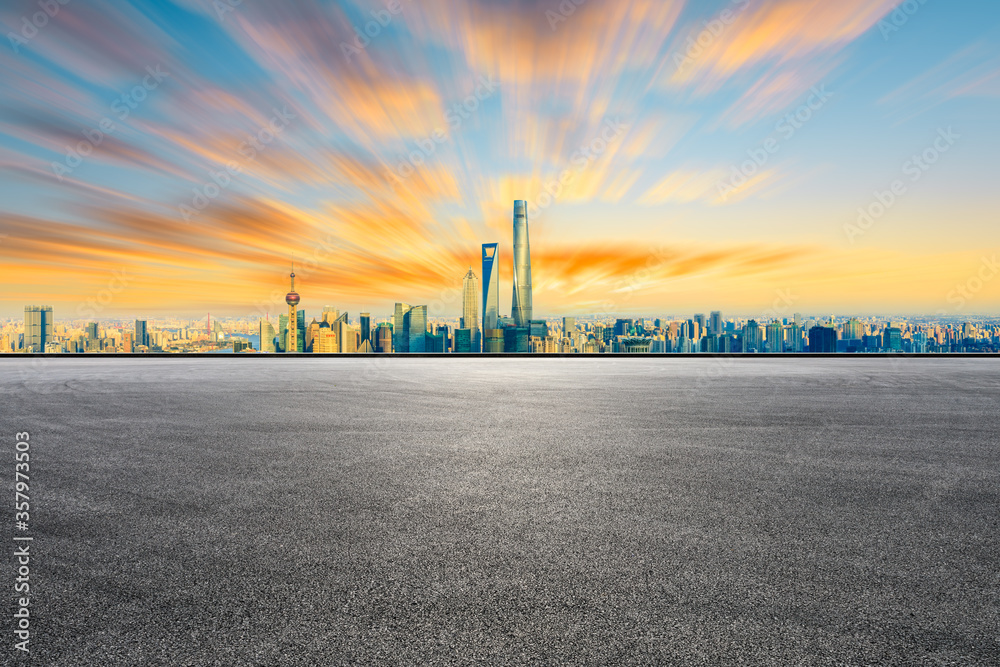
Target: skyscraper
(37, 327)
(266, 336)
(520, 305)
(366, 327)
(491, 286)
(752, 337)
(141, 333)
(822, 340)
(569, 327)
(470, 308)
(418, 329)
(715, 323)
(401, 328)
(292, 299)
(775, 337)
(383, 338)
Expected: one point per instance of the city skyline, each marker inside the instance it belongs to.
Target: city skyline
(671, 154)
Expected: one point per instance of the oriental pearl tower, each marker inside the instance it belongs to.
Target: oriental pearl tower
(292, 299)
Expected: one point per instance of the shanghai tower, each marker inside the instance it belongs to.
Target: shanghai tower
(520, 305)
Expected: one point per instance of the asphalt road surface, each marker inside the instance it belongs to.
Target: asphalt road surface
(247, 511)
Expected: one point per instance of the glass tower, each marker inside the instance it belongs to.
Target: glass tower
(470, 308)
(401, 328)
(418, 329)
(520, 305)
(37, 327)
(491, 286)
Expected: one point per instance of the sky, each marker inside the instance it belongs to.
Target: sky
(179, 157)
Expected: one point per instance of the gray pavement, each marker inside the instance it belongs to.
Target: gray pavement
(508, 511)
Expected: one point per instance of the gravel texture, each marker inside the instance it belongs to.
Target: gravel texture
(597, 511)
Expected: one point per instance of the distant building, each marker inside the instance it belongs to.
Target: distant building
(463, 341)
(418, 329)
(752, 337)
(822, 340)
(401, 328)
(366, 326)
(470, 308)
(569, 327)
(266, 336)
(141, 333)
(326, 341)
(383, 340)
(493, 341)
(775, 337)
(516, 340)
(715, 323)
(37, 328)
(521, 307)
(491, 287)
(634, 345)
(893, 340)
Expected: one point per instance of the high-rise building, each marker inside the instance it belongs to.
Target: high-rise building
(852, 329)
(700, 320)
(491, 286)
(383, 338)
(463, 340)
(401, 328)
(493, 341)
(266, 336)
(715, 323)
(418, 329)
(520, 308)
(517, 339)
(37, 328)
(292, 299)
(569, 327)
(300, 331)
(366, 326)
(775, 337)
(822, 340)
(893, 339)
(752, 337)
(311, 331)
(326, 340)
(795, 342)
(141, 333)
(282, 333)
(470, 308)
